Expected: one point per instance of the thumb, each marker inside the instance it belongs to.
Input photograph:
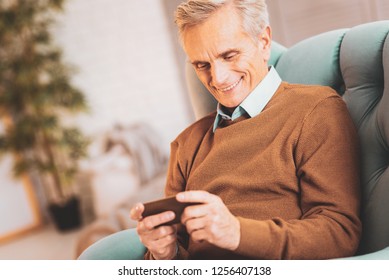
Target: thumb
(136, 211)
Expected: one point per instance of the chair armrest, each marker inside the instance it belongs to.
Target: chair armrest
(382, 254)
(123, 245)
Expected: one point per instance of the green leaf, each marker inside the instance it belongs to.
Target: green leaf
(36, 92)
(21, 167)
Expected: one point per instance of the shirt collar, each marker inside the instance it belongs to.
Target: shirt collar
(255, 101)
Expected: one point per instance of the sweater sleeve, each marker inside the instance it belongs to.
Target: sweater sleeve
(327, 168)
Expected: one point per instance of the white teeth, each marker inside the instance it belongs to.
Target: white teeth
(231, 86)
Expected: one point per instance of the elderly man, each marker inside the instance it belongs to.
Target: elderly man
(275, 168)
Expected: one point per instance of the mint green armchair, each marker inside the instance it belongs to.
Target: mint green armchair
(355, 62)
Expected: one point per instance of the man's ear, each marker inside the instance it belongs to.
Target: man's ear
(265, 40)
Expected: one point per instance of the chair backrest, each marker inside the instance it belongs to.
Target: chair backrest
(354, 62)
(364, 62)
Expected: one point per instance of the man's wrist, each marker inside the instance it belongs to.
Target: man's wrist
(237, 234)
(176, 253)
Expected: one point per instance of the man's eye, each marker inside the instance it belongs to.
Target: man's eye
(230, 56)
(201, 66)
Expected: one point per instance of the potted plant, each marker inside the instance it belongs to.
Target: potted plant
(36, 95)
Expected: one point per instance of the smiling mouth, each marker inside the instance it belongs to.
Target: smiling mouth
(231, 86)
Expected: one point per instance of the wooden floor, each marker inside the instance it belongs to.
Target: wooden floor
(45, 243)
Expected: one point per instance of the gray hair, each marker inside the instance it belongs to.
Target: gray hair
(253, 13)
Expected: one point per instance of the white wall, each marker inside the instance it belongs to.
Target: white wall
(17, 210)
(126, 64)
(293, 21)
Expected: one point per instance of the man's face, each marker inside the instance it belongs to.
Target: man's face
(227, 60)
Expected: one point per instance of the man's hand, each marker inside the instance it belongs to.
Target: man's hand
(210, 221)
(161, 241)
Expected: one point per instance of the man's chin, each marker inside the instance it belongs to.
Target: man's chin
(230, 105)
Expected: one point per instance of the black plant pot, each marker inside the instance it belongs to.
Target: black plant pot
(66, 216)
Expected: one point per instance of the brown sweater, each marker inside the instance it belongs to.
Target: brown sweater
(290, 175)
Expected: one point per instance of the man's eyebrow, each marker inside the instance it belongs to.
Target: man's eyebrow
(196, 62)
(222, 55)
(228, 52)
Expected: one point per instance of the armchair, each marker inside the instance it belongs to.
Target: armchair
(355, 62)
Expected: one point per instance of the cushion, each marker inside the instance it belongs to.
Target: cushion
(314, 61)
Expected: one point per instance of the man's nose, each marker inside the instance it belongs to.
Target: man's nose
(219, 74)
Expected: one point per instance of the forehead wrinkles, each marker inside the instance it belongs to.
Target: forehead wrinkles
(209, 46)
(210, 50)
(214, 35)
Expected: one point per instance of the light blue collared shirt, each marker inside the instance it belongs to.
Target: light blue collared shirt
(255, 101)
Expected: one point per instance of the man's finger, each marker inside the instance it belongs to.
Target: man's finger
(195, 211)
(136, 211)
(196, 197)
(195, 224)
(151, 222)
(158, 233)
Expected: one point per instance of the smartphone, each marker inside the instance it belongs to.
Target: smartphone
(166, 204)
